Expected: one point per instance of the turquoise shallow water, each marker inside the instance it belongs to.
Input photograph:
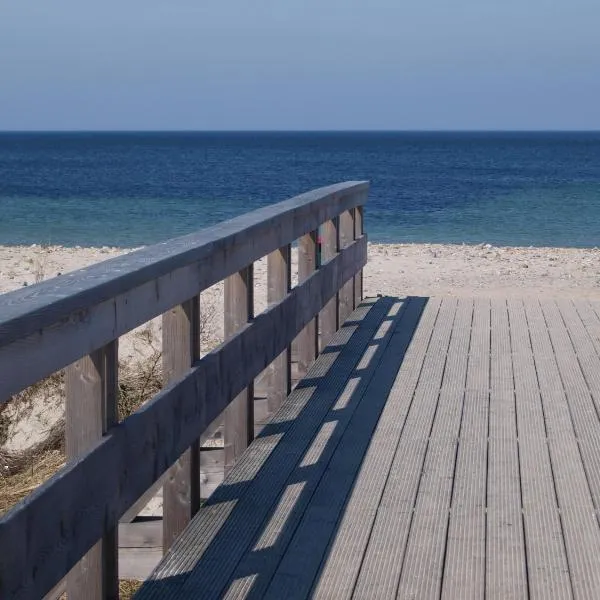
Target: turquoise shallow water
(128, 189)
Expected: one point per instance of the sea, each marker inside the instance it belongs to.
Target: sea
(132, 189)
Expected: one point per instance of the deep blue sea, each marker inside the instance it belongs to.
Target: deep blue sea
(129, 189)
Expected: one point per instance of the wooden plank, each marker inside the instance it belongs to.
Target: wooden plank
(591, 322)
(329, 317)
(138, 563)
(548, 568)
(238, 428)
(141, 534)
(505, 553)
(464, 571)
(340, 570)
(384, 557)
(346, 295)
(584, 419)
(303, 557)
(212, 470)
(91, 409)
(278, 286)
(46, 326)
(335, 452)
(48, 532)
(423, 574)
(308, 340)
(181, 487)
(358, 231)
(563, 412)
(202, 561)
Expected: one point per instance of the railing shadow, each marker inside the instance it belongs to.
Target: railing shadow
(291, 507)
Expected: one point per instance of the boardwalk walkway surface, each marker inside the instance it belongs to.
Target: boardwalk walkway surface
(437, 447)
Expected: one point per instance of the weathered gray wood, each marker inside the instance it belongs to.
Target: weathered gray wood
(47, 326)
(586, 338)
(464, 572)
(141, 534)
(91, 410)
(346, 295)
(505, 558)
(279, 277)
(340, 571)
(383, 562)
(238, 428)
(181, 489)
(336, 450)
(212, 470)
(143, 446)
(358, 231)
(425, 546)
(143, 500)
(308, 340)
(329, 317)
(241, 506)
(546, 557)
(138, 563)
(562, 411)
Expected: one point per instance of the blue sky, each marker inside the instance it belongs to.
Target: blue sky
(299, 64)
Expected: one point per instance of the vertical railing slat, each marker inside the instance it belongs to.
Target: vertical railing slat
(238, 430)
(358, 231)
(278, 285)
(308, 342)
(329, 316)
(346, 294)
(181, 489)
(91, 408)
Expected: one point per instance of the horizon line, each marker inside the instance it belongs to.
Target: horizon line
(50, 131)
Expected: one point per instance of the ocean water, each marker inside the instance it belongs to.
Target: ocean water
(129, 189)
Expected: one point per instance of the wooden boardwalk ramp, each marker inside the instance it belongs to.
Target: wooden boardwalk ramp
(437, 448)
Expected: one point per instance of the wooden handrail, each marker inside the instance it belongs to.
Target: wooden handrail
(52, 324)
(47, 326)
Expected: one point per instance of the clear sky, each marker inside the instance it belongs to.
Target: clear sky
(299, 64)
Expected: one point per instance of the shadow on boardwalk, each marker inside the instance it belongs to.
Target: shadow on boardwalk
(267, 530)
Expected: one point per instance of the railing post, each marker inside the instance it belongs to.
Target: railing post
(91, 408)
(358, 278)
(308, 340)
(278, 285)
(346, 294)
(181, 489)
(329, 316)
(238, 430)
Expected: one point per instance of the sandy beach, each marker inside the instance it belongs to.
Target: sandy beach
(393, 269)
(426, 269)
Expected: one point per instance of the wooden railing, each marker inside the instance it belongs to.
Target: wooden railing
(68, 526)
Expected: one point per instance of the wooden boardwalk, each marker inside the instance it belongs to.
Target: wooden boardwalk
(437, 447)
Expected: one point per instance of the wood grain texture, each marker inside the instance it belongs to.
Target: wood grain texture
(279, 279)
(49, 531)
(47, 326)
(238, 428)
(346, 295)
(91, 410)
(181, 488)
(358, 231)
(329, 317)
(308, 342)
(275, 457)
